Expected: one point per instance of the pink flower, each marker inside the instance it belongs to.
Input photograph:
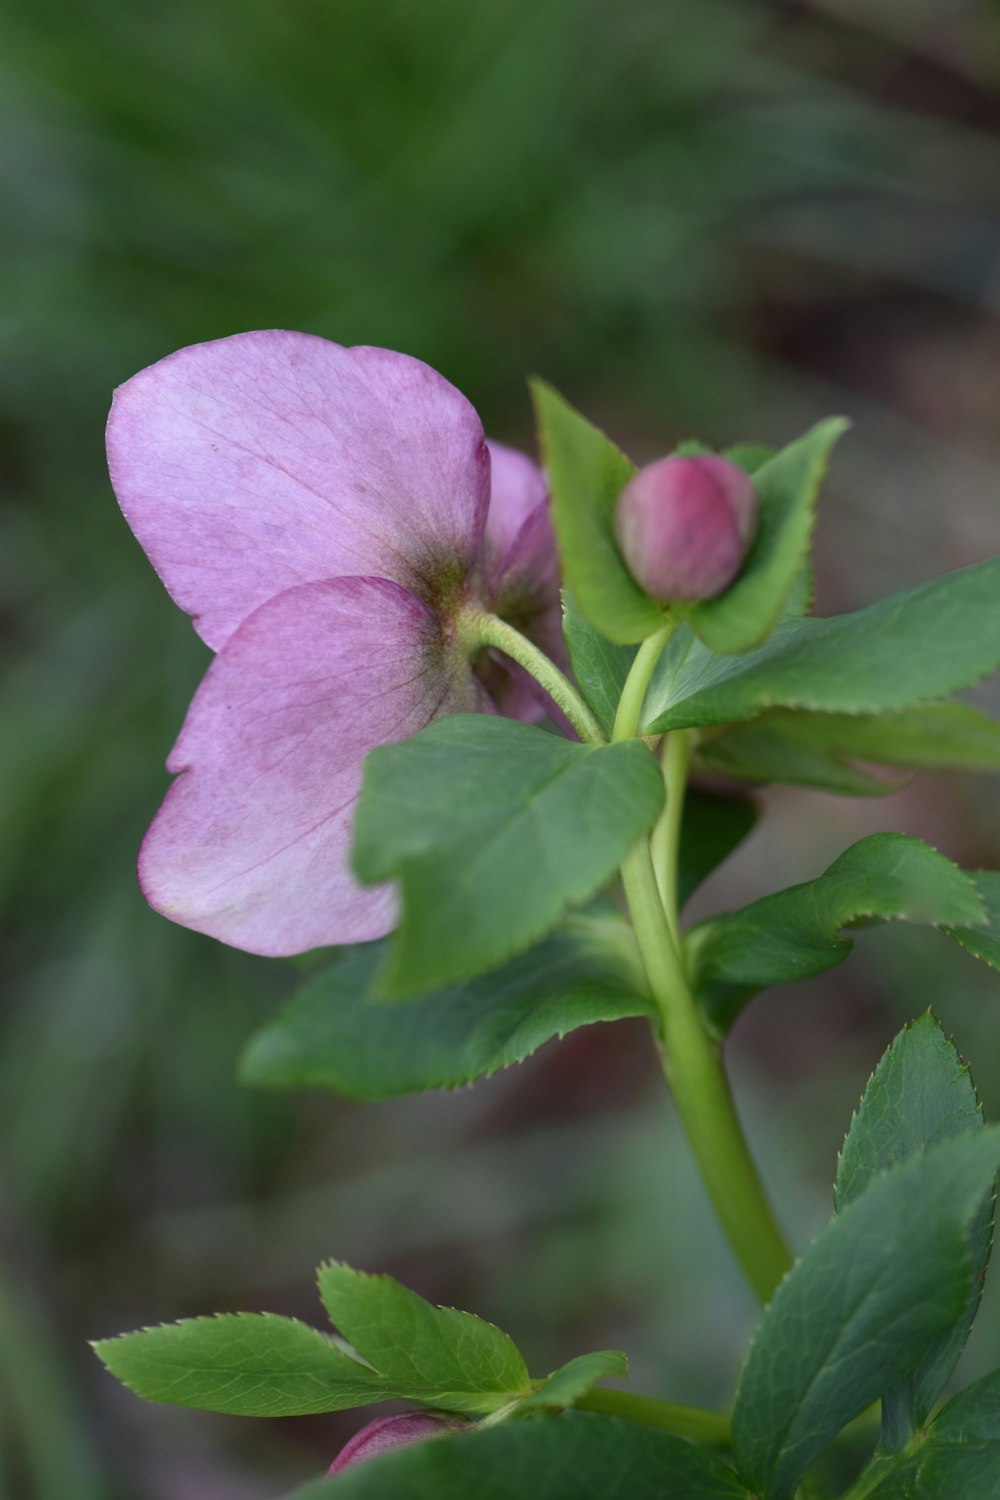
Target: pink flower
(684, 526)
(324, 514)
(393, 1432)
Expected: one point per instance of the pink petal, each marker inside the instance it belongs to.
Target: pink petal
(266, 460)
(251, 844)
(388, 1433)
(517, 488)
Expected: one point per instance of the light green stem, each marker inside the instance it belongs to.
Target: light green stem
(477, 630)
(676, 759)
(687, 1421)
(634, 692)
(691, 1060)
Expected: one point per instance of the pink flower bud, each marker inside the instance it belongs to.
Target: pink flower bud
(393, 1432)
(684, 526)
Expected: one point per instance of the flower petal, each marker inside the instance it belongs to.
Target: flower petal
(517, 488)
(258, 462)
(251, 844)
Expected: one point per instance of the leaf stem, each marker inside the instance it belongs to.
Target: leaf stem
(676, 758)
(687, 1421)
(691, 1061)
(478, 629)
(634, 692)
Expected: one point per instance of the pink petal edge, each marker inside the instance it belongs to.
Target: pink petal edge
(257, 462)
(251, 844)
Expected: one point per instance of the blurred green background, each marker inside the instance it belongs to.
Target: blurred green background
(712, 217)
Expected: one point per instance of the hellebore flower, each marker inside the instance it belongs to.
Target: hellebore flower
(393, 1432)
(329, 517)
(684, 526)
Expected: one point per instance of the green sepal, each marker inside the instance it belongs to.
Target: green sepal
(796, 933)
(787, 488)
(586, 475)
(336, 1034)
(880, 1285)
(493, 830)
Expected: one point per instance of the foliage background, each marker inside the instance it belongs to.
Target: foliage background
(722, 217)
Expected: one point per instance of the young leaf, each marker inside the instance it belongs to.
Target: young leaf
(958, 1456)
(335, 1034)
(765, 751)
(919, 1095)
(493, 829)
(434, 1355)
(787, 486)
(247, 1364)
(983, 942)
(599, 666)
(587, 473)
(573, 1380)
(910, 648)
(797, 932)
(711, 828)
(572, 1457)
(859, 1311)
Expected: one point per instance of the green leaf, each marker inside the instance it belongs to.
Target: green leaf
(493, 829)
(932, 736)
(957, 1459)
(599, 666)
(983, 942)
(787, 486)
(586, 474)
(765, 751)
(247, 1364)
(573, 1380)
(335, 1034)
(797, 932)
(572, 1457)
(858, 1312)
(434, 1355)
(711, 828)
(910, 648)
(919, 1095)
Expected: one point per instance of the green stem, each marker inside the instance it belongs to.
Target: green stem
(676, 759)
(477, 630)
(691, 1060)
(695, 1073)
(687, 1421)
(634, 691)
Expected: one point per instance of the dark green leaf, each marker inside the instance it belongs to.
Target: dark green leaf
(573, 1380)
(797, 932)
(712, 827)
(957, 1459)
(764, 751)
(586, 474)
(434, 1355)
(787, 486)
(248, 1364)
(932, 736)
(983, 942)
(917, 646)
(860, 1310)
(335, 1034)
(599, 666)
(571, 1457)
(493, 829)
(920, 1094)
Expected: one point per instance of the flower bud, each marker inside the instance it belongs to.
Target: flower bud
(684, 526)
(392, 1432)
